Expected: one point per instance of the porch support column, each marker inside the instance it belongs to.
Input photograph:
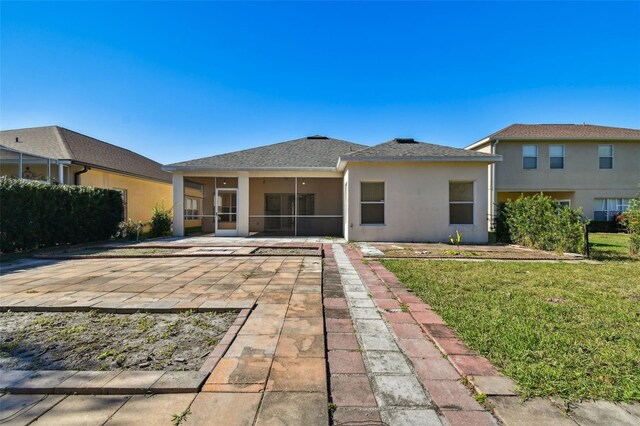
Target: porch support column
(243, 204)
(60, 172)
(178, 204)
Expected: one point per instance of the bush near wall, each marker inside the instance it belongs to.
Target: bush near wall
(540, 222)
(34, 214)
(631, 221)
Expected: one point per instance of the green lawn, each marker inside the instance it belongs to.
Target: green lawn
(609, 246)
(557, 329)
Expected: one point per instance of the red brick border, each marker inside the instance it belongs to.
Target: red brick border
(485, 378)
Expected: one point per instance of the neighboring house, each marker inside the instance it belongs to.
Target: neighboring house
(596, 168)
(54, 154)
(401, 190)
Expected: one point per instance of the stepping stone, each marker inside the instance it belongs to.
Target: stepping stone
(411, 418)
(387, 362)
(399, 391)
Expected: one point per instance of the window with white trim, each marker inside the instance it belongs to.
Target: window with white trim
(564, 203)
(461, 203)
(605, 156)
(556, 156)
(191, 208)
(372, 203)
(529, 156)
(606, 209)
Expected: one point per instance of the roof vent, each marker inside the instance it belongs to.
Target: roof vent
(18, 140)
(317, 137)
(405, 140)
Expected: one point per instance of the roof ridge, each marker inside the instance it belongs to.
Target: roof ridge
(106, 143)
(272, 145)
(72, 155)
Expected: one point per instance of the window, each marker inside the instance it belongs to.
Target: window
(461, 203)
(372, 203)
(123, 194)
(564, 203)
(530, 156)
(556, 156)
(606, 209)
(605, 156)
(191, 208)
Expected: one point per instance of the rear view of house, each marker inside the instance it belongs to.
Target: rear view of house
(401, 190)
(596, 168)
(54, 154)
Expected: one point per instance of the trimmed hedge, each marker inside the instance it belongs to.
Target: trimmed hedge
(540, 222)
(34, 214)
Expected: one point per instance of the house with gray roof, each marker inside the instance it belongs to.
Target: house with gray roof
(53, 154)
(596, 168)
(400, 190)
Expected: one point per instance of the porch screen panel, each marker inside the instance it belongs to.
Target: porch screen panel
(313, 207)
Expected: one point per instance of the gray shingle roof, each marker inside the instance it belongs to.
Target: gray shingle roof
(64, 144)
(571, 131)
(312, 152)
(399, 149)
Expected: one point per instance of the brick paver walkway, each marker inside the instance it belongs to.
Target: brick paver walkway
(387, 366)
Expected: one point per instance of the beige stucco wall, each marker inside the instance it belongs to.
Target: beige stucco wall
(581, 175)
(417, 201)
(580, 171)
(142, 194)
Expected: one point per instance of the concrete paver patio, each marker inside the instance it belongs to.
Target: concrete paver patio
(379, 366)
(274, 371)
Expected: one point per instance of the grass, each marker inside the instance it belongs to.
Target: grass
(557, 329)
(609, 246)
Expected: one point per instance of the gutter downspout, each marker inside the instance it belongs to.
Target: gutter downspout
(76, 175)
(494, 195)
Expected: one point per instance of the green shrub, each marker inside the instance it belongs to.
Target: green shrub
(540, 222)
(160, 221)
(631, 221)
(34, 214)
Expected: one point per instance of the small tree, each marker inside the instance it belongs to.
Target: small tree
(160, 221)
(631, 221)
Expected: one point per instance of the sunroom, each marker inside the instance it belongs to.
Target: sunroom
(243, 204)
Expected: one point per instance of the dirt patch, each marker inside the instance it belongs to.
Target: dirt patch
(287, 251)
(100, 341)
(436, 250)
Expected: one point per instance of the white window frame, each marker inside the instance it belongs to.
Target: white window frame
(564, 157)
(621, 205)
(564, 201)
(383, 202)
(473, 191)
(612, 156)
(198, 208)
(536, 157)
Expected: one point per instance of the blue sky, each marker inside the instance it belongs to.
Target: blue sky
(176, 81)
